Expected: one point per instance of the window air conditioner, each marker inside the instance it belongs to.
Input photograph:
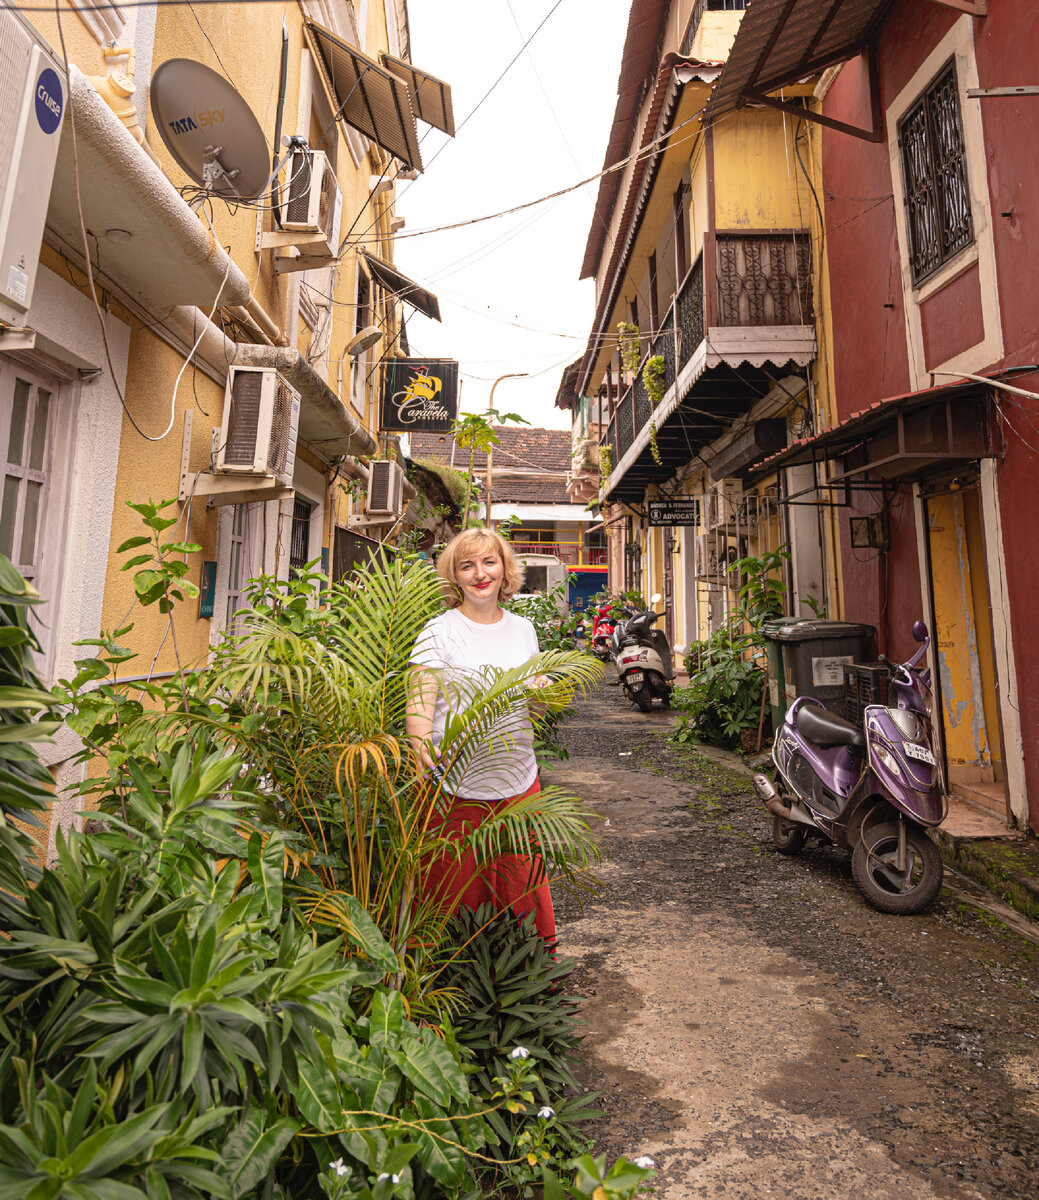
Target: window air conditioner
(259, 426)
(35, 91)
(385, 490)
(722, 504)
(314, 203)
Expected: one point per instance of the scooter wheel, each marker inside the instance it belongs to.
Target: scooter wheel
(788, 837)
(887, 888)
(643, 698)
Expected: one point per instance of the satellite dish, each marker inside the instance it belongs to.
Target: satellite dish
(210, 130)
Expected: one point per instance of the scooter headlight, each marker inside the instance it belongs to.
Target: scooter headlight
(889, 760)
(909, 723)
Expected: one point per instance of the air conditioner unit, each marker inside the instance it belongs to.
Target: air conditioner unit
(385, 490)
(722, 504)
(259, 427)
(35, 89)
(714, 555)
(314, 202)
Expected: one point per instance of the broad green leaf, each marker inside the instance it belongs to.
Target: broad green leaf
(251, 1150)
(387, 1018)
(317, 1094)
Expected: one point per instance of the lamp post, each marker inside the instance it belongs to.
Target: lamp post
(490, 447)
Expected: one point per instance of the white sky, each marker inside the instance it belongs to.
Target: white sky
(544, 127)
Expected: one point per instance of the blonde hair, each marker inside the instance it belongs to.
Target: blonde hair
(473, 541)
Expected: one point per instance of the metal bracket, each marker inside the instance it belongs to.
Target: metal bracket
(17, 337)
(302, 262)
(281, 238)
(223, 489)
(1027, 89)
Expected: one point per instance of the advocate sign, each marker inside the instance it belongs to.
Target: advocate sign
(674, 512)
(420, 394)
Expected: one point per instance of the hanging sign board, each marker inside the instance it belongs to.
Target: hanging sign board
(685, 510)
(420, 394)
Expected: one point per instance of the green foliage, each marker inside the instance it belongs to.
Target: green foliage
(762, 596)
(593, 1181)
(27, 717)
(475, 431)
(605, 464)
(629, 344)
(654, 447)
(654, 376)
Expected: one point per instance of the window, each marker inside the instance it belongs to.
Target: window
(299, 542)
(240, 568)
(26, 423)
(934, 177)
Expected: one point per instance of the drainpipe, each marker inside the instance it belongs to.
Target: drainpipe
(117, 89)
(252, 314)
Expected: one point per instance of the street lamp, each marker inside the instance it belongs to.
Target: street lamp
(490, 448)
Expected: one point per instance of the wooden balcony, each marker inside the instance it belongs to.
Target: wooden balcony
(751, 311)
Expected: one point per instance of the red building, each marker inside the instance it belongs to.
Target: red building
(929, 166)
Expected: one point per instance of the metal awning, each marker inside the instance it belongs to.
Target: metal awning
(780, 42)
(401, 286)
(430, 97)
(367, 95)
(902, 438)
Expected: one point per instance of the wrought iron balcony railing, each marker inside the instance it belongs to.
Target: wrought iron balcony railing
(761, 280)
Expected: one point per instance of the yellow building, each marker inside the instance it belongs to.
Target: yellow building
(705, 250)
(212, 304)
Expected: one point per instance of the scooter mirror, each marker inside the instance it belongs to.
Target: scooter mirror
(655, 598)
(919, 631)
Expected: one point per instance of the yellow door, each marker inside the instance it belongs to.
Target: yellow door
(963, 647)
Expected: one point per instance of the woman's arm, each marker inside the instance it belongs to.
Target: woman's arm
(418, 719)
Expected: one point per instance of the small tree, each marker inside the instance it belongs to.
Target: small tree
(475, 431)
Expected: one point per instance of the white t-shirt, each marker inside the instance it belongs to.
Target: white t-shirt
(499, 762)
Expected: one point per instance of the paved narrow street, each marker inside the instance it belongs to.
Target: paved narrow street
(759, 1030)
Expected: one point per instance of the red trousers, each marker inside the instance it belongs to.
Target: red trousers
(514, 880)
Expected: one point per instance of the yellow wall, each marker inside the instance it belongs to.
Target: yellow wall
(758, 184)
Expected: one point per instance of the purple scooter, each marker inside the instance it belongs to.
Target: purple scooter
(872, 788)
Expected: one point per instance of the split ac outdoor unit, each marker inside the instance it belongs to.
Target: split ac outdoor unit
(259, 427)
(385, 490)
(35, 91)
(314, 203)
(714, 556)
(722, 504)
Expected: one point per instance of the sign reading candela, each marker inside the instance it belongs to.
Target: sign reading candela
(420, 394)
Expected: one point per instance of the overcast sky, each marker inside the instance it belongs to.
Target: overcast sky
(508, 289)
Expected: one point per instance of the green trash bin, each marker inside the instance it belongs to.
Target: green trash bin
(776, 678)
(815, 654)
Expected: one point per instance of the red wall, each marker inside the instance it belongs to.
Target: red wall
(870, 351)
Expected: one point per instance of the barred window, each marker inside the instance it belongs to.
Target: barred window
(934, 176)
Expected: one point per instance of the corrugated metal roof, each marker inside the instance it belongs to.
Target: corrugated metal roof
(782, 41)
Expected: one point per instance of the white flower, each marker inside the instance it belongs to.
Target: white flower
(387, 1175)
(339, 1167)
(546, 1113)
(645, 1162)
(519, 1052)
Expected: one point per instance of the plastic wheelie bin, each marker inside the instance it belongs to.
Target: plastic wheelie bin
(814, 655)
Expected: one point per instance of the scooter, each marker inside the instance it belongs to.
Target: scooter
(643, 658)
(873, 788)
(603, 625)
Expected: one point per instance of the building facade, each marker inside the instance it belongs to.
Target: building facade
(168, 312)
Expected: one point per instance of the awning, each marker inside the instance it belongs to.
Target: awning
(902, 438)
(370, 98)
(780, 42)
(401, 286)
(430, 97)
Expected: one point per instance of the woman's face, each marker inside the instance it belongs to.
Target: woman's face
(480, 575)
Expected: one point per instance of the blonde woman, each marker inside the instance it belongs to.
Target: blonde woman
(450, 662)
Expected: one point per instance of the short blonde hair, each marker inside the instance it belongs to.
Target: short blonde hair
(475, 541)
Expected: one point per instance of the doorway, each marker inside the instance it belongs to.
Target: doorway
(963, 647)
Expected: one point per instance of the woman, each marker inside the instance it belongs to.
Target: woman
(450, 660)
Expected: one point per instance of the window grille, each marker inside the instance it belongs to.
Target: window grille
(26, 412)
(240, 560)
(699, 9)
(299, 543)
(934, 176)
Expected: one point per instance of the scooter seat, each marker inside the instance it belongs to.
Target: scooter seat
(825, 728)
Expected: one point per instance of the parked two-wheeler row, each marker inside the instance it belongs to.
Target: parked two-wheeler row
(872, 787)
(641, 653)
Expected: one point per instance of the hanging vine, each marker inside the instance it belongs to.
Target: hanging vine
(654, 449)
(605, 464)
(654, 376)
(629, 344)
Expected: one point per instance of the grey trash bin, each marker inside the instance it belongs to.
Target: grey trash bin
(815, 654)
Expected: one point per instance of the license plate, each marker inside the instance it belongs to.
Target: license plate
(920, 753)
(635, 677)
